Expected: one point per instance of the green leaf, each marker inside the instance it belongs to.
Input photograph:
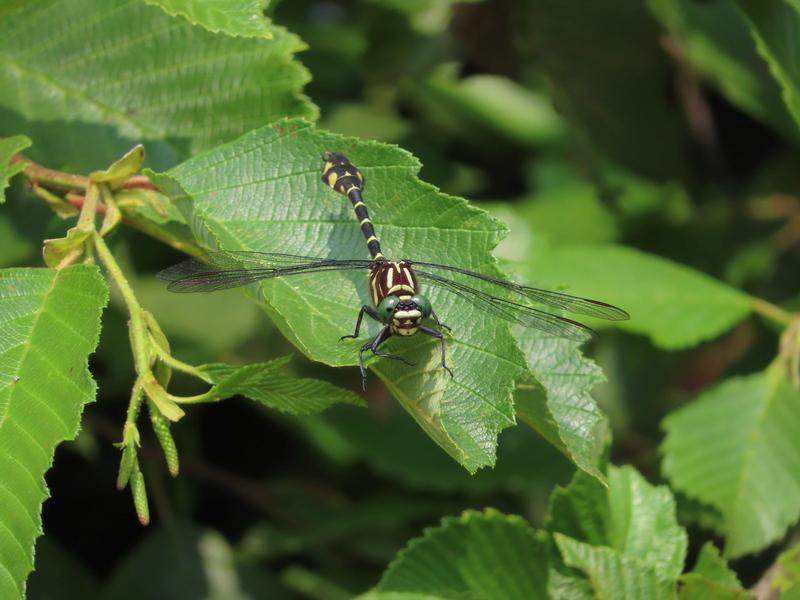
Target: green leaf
(136, 68)
(121, 169)
(775, 25)
(57, 249)
(711, 579)
(617, 98)
(735, 448)
(676, 306)
(264, 383)
(8, 148)
(427, 16)
(476, 555)
(561, 407)
(612, 574)
(788, 579)
(631, 516)
(186, 561)
(243, 18)
(49, 324)
(718, 44)
(711, 565)
(488, 107)
(264, 192)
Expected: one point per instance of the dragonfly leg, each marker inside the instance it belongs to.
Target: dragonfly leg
(438, 335)
(439, 323)
(373, 345)
(364, 309)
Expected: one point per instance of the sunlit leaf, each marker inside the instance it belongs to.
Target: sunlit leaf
(268, 384)
(735, 448)
(631, 516)
(49, 324)
(264, 192)
(480, 555)
(232, 17)
(612, 574)
(561, 407)
(134, 67)
(676, 306)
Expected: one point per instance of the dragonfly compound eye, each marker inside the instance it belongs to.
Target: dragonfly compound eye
(423, 304)
(387, 306)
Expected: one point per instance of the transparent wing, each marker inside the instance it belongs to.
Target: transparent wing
(573, 304)
(511, 311)
(221, 270)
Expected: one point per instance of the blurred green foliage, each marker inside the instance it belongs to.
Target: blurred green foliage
(642, 153)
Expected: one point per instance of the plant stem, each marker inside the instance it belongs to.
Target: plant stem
(173, 362)
(771, 311)
(138, 329)
(50, 177)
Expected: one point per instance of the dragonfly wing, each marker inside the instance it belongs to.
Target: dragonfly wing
(223, 270)
(511, 311)
(573, 304)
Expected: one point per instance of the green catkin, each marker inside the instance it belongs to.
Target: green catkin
(139, 493)
(161, 428)
(126, 464)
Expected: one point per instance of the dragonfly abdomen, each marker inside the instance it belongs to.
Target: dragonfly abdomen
(342, 176)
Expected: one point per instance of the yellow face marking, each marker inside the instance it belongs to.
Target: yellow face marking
(332, 179)
(328, 165)
(407, 274)
(400, 288)
(389, 278)
(408, 314)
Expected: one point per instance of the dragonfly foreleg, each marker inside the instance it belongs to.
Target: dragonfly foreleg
(438, 335)
(364, 309)
(439, 323)
(373, 345)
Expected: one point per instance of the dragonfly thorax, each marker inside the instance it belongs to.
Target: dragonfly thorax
(391, 278)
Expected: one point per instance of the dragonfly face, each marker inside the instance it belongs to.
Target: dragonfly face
(404, 315)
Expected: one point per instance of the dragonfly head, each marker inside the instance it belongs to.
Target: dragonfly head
(404, 315)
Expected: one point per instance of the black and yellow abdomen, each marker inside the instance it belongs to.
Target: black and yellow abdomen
(342, 176)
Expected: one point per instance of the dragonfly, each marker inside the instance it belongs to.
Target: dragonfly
(398, 303)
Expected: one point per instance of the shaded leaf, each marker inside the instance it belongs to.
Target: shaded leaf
(718, 44)
(631, 516)
(612, 574)
(265, 383)
(57, 249)
(775, 25)
(185, 561)
(243, 18)
(264, 192)
(8, 148)
(676, 306)
(59, 574)
(735, 448)
(481, 555)
(49, 324)
(617, 98)
(153, 71)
